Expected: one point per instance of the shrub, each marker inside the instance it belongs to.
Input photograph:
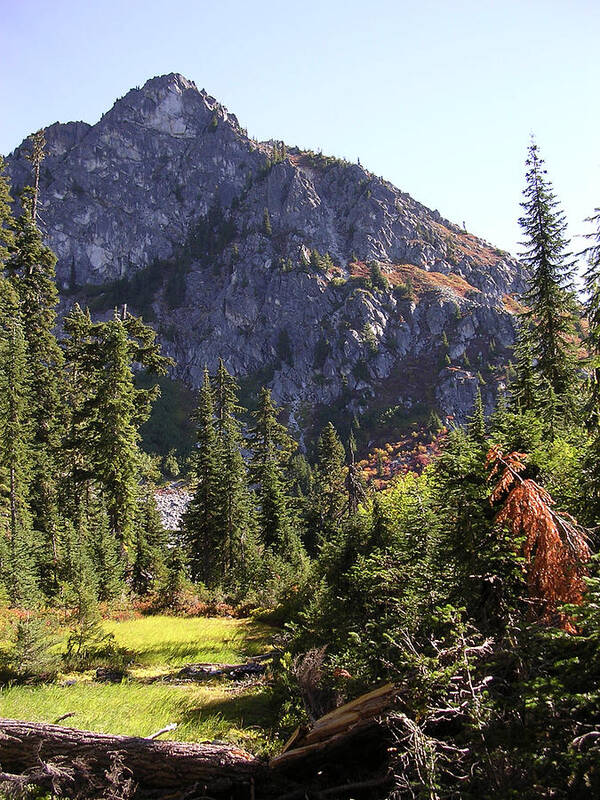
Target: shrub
(34, 656)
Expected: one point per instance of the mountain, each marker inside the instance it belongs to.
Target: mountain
(302, 271)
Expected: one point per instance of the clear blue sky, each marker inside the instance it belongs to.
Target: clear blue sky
(439, 97)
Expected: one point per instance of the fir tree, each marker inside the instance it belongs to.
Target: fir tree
(236, 520)
(105, 551)
(150, 544)
(476, 422)
(271, 447)
(114, 430)
(30, 268)
(201, 522)
(549, 296)
(6, 218)
(15, 463)
(526, 385)
(106, 457)
(36, 156)
(267, 223)
(328, 501)
(592, 313)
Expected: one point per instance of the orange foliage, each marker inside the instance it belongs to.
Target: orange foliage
(513, 305)
(422, 280)
(412, 453)
(555, 547)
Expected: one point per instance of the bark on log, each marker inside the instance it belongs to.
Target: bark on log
(233, 671)
(157, 766)
(345, 747)
(336, 728)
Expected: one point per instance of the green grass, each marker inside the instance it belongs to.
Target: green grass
(145, 702)
(136, 709)
(174, 641)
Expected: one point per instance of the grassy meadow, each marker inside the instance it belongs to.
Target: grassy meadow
(148, 699)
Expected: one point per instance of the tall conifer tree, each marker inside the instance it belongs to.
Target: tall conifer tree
(30, 268)
(592, 313)
(271, 449)
(238, 535)
(202, 520)
(19, 570)
(549, 295)
(525, 387)
(328, 500)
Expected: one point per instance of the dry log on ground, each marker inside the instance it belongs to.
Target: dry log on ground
(80, 761)
(343, 754)
(336, 728)
(233, 671)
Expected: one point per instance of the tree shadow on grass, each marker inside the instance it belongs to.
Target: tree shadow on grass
(249, 641)
(244, 710)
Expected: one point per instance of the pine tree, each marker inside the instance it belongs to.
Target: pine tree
(267, 223)
(549, 296)
(525, 387)
(30, 268)
(328, 501)
(202, 518)
(592, 313)
(20, 574)
(105, 551)
(114, 431)
(271, 447)
(150, 545)
(476, 423)
(6, 218)
(36, 156)
(103, 457)
(238, 546)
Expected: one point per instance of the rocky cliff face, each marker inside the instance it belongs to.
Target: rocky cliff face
(267, 256)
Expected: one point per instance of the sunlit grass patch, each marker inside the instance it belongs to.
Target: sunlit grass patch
(171, 642)
(135, 709)
(141, 704)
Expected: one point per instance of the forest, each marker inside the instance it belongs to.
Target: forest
(471, 586)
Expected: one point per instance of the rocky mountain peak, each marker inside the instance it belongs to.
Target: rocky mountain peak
(301, 270)
(169, 104)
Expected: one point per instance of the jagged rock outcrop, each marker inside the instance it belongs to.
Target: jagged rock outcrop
(264, 255)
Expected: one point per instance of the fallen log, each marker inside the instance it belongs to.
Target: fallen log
(80, 761)
(343, 754)
(336, 728)
(253, 666)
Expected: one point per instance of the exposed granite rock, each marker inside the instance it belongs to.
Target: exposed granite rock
(172, 502)
(167, 204)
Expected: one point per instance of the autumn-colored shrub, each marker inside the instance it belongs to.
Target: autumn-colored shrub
(555, 546)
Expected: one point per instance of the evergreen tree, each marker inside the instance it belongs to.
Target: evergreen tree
(592, 313)
(328, 501)
(6, 218)
(30, 268)
(268, 230)
(150, 545)
(476, 422)
(526, 386)
(271, 447)
(105, 551)
(19, 571)
(106, 458)
(549, 296)
(36, 156)
(114, 432)
(238, 528)
(201, 522)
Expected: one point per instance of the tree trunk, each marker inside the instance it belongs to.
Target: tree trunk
(81, 761)
(344, 754)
